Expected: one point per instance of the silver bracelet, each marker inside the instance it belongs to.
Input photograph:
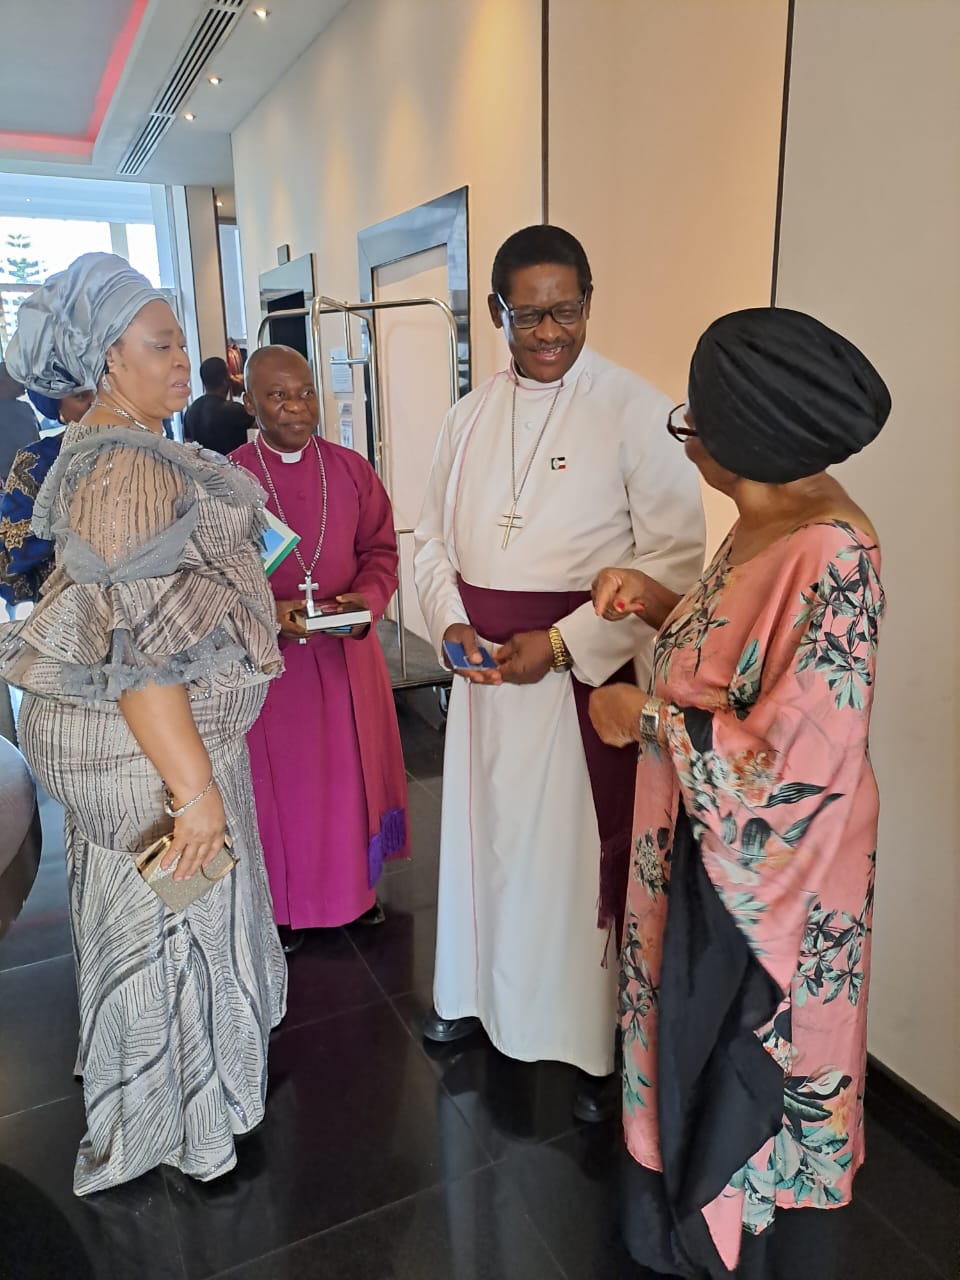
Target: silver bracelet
(650, 720)
(178, 813)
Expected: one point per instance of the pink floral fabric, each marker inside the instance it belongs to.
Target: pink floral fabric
(768, 668)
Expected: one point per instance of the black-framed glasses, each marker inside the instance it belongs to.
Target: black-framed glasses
(562, 313)
(678, 426)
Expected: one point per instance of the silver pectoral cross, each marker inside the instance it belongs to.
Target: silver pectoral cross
(308, 588)
(509, 523)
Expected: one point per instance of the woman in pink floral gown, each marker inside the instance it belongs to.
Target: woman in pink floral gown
(747, 933)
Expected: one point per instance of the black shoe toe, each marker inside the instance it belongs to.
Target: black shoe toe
(444, 1030)
(290, 939)
(597, 1099)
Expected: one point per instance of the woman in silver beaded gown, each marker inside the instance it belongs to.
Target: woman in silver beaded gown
(143, 667)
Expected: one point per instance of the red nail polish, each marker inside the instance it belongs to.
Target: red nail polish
(620, 606)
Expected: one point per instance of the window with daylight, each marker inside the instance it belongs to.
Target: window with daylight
(47, 222)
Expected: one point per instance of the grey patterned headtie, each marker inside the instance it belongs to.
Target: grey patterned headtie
(65, 328)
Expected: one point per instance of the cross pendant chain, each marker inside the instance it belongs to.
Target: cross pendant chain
(513, 521)
(308, 588)
(510, 522)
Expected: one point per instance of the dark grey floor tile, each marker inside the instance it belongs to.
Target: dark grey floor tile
(47, 1233)
(424, 822)
(910, 1192)
(42, 929)
(411, 883)
(355, 1121)
(422, 744)
(470, 1229)
(39, 1021)
(505, 1102)
(400, 952)
(434, 786)
(570, 1188)
(327, 977)
(509, 1103)
(874, 1248)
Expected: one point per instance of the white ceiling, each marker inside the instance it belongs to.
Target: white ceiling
(49, 92)
(47, 85)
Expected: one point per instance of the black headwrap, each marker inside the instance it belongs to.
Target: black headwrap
(775, 395)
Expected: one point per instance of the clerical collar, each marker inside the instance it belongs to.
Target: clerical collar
(289, 458)
(568, 379)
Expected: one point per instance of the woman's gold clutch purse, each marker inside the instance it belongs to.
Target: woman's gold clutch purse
(178, 894)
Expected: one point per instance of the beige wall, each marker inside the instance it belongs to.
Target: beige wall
(664, 148)
(870, 244)
(399, 101)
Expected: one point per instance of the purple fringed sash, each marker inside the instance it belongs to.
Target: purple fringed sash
(498, 615)
(389, 840)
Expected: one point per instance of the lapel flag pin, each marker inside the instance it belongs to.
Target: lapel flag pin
(558, 464)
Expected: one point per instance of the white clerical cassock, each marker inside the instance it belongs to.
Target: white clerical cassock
(518, 939)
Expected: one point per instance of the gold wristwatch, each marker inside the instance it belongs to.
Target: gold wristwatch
(561, 654)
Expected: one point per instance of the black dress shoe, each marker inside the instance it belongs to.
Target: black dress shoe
(443, 1030)
(376, 915)
(597, 1098)
(290, 939)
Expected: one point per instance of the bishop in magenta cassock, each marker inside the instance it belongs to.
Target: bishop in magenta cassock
(325, 754)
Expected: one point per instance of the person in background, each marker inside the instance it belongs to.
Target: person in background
(235, 363)
(143, 666)
(327, 763)
(18, 423)
(214, 420)
(25, 559)
(538, 474)
(746, 956)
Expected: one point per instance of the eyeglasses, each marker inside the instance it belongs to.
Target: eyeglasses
(678, 426)
(562, 313)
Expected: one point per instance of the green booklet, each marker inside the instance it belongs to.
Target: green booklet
(277, 542)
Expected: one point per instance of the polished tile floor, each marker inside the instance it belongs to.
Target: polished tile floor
(378, 1159)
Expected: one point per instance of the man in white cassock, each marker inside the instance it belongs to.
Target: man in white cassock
(554, 468)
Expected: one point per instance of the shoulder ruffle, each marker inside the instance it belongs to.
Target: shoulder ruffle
(210, 471)
(186, 604)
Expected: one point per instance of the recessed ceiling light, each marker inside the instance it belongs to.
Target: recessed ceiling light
(188, 115)
(262, 14)
(214, 79)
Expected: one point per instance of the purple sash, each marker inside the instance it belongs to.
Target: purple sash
(498, 615)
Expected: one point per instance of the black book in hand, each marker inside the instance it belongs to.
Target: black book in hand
(331, 615)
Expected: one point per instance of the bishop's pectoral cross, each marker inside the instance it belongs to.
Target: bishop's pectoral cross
(308, 588)
(509, 523)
